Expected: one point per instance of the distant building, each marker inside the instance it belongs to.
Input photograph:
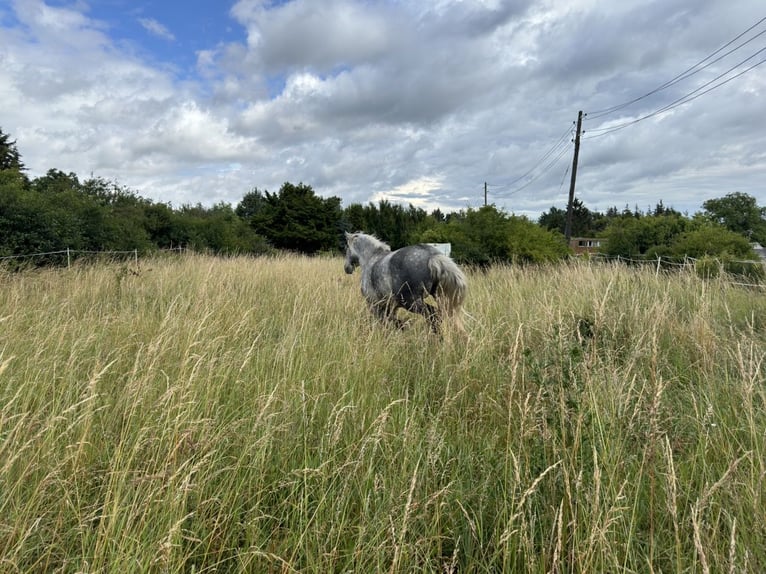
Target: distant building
(760, 250)
(582, 245)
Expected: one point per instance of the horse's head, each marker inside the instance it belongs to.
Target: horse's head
(362, 249)
(352, 258)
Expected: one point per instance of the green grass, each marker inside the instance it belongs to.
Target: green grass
(214, 415)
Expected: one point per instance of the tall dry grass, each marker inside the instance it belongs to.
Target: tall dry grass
(203, 414)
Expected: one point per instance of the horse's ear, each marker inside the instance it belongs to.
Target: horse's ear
(348, 235)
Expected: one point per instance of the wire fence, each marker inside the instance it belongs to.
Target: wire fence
(70, 255)
(750, 269)
(658, 264)
(665, 260)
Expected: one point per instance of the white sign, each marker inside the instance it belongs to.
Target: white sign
(445, 248)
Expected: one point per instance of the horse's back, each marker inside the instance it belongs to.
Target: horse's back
(410, 275)
(409, 265)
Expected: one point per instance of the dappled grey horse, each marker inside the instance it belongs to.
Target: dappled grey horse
(405, 278)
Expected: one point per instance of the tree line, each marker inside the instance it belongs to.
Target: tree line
(725, 229)
(58, 211)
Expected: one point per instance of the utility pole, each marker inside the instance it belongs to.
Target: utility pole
(568, 228)
(485, 194)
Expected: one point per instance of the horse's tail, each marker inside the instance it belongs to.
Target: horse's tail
(451, 283)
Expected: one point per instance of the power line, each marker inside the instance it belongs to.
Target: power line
(686, 98)
(561, 140)
(545, 170)
(509, 190)
(693, 95)
(563, 177)
(698, 67)
(559, 148)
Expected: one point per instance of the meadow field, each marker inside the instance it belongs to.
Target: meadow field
(201, 414)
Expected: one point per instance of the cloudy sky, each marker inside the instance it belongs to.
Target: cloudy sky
(415, 101)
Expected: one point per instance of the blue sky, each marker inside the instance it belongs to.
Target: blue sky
(167, 33)
(415, 101)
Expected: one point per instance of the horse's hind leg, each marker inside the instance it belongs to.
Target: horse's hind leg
(385, 311)
(428, 311)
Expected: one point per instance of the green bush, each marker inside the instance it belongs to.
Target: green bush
(709, 267)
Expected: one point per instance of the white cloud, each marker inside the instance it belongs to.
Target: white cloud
(186, 131)
(322, 35)
(154, 27)
(417, 101)
(418, 192)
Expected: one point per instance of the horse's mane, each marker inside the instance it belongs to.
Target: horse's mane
(376, 243)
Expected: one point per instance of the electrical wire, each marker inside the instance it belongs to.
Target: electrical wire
(545, 170)
(559, 149)
(698, 67)
(509, 189)
(563, 177)
(545, 156)
(684, 99)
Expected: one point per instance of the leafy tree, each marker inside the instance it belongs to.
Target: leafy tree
(24, 219)
(530, 243)
(738, 212)
(554, 219)
(396, 224)
(717, 248)
(621, 238)
(164, 227)
(251, 204)
(630, 236)
(487, 227)
(74, 219)
(90, 215)
(110, 193)
(29, 220)
(711, 240)
(478, 236)
(56, 181)
(127, 221)
(585, 223)
(355, 218)
(660, 209)
(295, 218)
(465, 249)
(486, 235)
(220, 230)
(392, 222)
(33, 222)
(57, 211)
(437, 216)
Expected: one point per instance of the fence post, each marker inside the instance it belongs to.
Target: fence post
(657, 273)
(67, 257)
(135, 256)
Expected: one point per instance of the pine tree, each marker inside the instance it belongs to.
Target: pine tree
(10, 159)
